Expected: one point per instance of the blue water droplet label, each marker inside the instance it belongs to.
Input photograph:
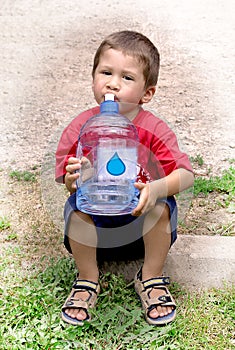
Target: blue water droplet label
(115, 165)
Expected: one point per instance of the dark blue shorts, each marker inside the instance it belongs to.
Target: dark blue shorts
(119, 237)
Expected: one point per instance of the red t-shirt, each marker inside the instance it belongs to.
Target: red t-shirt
(158, 154)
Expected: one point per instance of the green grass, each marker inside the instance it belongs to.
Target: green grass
(23, 175)
(4, 223)
(224, 183)
(197, 159)
(30, 316)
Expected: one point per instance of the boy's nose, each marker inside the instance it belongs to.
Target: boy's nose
(113, 84)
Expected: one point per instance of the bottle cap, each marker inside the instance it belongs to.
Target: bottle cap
(109, 105)
(109, 97)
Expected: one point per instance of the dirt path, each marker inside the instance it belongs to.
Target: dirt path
(45, 81)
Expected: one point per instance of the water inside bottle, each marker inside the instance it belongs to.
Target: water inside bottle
(107, 197)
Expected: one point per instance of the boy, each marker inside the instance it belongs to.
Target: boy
(127, 65)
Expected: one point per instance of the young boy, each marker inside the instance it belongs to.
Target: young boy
(127, 65)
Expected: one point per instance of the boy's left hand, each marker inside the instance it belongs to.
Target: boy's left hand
(177, 181)
(147, 199)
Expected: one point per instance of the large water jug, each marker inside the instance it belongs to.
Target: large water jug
(108, 146)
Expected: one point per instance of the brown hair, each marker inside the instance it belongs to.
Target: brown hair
(136, 45)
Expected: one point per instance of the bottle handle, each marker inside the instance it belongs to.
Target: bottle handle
(79, 156)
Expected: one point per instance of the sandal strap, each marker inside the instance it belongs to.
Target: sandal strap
(163, 300)
(152, 282)
(73, 303)
(80, 285)
(156, 282)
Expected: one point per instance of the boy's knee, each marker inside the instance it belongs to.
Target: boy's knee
(159, 217)
(82, 230)
(79, 223)
(79, 217)
(160, 211)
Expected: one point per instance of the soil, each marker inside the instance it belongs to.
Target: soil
(46, 57)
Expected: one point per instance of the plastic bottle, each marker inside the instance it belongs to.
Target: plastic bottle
(108, 145)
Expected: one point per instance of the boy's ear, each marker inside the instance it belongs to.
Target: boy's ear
(148, 95)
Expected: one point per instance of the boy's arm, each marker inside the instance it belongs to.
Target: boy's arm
(178, 181)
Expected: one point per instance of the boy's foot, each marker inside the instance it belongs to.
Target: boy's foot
(82, 298)
(156, 299)
(159, 311)
(79, 314)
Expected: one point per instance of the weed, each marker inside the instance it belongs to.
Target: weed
(197, 159)
(23, 175)
(11, 237)
(222, 230)
(225, 184)
(4, 223)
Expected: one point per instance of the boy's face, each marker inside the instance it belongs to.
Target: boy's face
(122, 76)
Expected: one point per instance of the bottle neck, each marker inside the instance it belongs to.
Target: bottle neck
(110, 107)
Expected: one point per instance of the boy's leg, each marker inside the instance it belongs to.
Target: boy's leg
(157, 242)
(83, 239)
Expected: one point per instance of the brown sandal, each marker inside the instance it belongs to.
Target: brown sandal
(143, 289)
(73, 302)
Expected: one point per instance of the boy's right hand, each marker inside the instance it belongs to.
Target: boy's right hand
(72, 174)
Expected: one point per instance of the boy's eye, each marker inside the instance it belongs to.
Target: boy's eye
(106, 72)
(127, 77)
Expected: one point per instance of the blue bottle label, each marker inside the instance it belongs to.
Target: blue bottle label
(116, 164)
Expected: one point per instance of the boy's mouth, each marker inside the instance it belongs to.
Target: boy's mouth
(115, 97)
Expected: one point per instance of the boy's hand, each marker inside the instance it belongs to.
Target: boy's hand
(72, 174)
(177, 181)
(147, 199)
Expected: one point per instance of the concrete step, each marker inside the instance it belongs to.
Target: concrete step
(202, 262)
(195, 262)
